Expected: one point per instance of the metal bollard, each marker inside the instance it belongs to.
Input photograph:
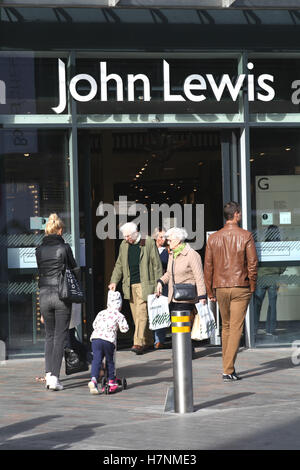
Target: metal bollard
(182, 361)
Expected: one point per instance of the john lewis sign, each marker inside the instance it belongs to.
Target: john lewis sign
(143, 87)
(195, 86)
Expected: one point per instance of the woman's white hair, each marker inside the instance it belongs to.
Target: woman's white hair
(177, 233)
(129, 228)
(156, 231)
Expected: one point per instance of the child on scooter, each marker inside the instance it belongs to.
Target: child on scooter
(104, 339)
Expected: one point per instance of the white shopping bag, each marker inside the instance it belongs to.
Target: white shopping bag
(75, 316)
(158, 312)
(204, 323)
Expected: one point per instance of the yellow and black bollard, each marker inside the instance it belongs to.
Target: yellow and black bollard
(182, 361)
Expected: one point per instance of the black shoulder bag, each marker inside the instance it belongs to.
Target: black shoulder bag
(183, 291)
(74, 363)
(69, 286)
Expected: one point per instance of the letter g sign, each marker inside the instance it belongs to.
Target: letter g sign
(263, 183)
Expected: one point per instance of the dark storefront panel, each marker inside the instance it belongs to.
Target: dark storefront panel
(287, 75)
(31, 83)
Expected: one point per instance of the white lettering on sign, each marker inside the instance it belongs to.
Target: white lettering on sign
(194, 87)
(193, 83)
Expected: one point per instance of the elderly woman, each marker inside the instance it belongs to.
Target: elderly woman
(187, 270)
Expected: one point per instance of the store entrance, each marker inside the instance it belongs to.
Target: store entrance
(147, 167)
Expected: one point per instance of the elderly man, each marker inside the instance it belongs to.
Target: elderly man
(139, 267)
(230, 272)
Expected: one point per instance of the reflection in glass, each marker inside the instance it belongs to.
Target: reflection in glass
(34, 182)
(285, 72)
(268, 282)
(32, 85)
(275, 177)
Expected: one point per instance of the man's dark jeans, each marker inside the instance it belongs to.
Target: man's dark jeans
(57, 315)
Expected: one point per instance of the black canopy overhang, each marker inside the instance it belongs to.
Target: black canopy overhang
(199, 4)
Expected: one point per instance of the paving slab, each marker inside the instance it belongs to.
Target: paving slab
(261, 412)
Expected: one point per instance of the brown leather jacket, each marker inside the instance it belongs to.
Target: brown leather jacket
(230, 259)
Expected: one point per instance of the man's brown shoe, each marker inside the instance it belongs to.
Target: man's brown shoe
(137, 349)
(159, 346)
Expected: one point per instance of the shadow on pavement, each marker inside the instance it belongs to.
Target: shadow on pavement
(282, 437)
(61, 440)
(219, 401)
(268, 367)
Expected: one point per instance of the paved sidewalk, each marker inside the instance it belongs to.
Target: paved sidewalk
(262, 411)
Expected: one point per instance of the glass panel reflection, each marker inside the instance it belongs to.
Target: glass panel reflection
(31, 83)
(275, 175)
(34, 182)
(286, 73)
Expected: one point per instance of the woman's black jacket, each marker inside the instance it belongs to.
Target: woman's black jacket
(52, 256)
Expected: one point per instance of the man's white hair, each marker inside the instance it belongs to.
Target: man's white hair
(177, 233)
(129, 228)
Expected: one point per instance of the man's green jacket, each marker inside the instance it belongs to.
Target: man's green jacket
(150, 268)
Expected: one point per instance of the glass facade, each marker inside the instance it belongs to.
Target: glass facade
(275, 183)
(31, 83)
(286, 73)
(35, 182)
(46, 141)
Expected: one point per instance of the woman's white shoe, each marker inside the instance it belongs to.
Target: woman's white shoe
(54, 383)
(48, 377)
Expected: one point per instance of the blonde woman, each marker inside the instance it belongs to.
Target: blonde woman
(51, 256)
